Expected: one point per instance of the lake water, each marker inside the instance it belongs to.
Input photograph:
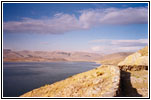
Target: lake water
(19, 78)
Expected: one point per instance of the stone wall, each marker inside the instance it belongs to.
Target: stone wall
(114, 90)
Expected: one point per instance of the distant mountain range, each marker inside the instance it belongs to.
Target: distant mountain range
(51, 56)
(41, 56)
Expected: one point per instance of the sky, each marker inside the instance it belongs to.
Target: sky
(88, 27)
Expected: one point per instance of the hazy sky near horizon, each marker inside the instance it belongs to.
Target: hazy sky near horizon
(90, 27)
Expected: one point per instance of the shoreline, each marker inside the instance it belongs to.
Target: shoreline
(46, 61)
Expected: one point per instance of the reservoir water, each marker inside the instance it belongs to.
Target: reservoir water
(19, 78)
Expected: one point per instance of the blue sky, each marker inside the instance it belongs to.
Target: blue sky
(90, 27)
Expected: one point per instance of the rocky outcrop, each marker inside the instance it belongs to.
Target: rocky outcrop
(100, 82)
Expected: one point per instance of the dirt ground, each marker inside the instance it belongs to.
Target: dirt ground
(134, 83)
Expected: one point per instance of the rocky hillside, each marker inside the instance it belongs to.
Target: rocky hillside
(100, 82)
(138, 58)
(48, 56)
(114, 59)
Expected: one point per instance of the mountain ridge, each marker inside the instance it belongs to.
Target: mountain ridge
(31, 56)
(51, 56)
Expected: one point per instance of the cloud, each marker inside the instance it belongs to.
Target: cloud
(90, 18)
(61, 23)
(139, 42)
(111, 46)
(58, 24)
(96, 48)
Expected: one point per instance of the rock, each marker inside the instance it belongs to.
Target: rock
(136, 61)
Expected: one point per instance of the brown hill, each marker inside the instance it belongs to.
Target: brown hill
(114, 58)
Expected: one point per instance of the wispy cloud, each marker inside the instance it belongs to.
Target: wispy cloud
(138, 42)
(61, 23)
(57, 24)
(110, 46)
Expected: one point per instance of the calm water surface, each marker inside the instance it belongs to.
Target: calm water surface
(19, 78)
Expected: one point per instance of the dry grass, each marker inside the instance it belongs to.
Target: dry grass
(144, 51)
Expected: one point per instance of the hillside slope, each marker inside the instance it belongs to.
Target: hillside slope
(114, 59)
